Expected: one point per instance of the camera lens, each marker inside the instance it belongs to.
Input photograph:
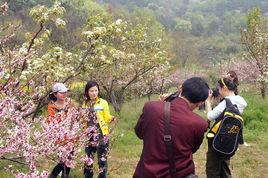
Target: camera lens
(215, 93)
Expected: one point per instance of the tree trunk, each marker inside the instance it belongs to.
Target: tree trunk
(117, 100)
(263, 90)
(114, 102)
(149, 97)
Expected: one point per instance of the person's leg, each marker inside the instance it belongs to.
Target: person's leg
(88, 169)
(102, 151)
(56, 170)
(213, 165)
(225, 170)
(65, 172)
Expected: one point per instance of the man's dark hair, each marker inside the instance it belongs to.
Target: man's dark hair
(195, 89)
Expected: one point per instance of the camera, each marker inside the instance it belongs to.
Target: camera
(215, 93)
(172, 96)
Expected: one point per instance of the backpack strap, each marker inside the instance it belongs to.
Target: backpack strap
(233, 115)
(168, 140)
(228, 102)
(232, 109)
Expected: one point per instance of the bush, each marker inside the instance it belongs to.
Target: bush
(256, 113)
(77, 91)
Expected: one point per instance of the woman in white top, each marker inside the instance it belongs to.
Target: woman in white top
(217, 167)
(227, 89)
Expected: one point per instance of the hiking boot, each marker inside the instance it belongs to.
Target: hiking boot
(64, 175)
(51, 176)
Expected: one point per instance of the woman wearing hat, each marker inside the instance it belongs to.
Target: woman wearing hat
(57, 108)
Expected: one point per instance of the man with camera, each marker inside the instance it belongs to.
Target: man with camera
(186, 133)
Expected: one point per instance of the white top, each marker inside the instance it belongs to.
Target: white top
(236, 100)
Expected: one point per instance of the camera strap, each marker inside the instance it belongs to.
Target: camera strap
(168, 140)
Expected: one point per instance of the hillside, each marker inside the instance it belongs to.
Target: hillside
(206, 16)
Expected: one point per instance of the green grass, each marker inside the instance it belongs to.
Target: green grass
(256, 110)
(249, 161)
(256, 120)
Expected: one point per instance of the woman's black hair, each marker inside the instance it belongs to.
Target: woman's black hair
(228, 83)
(90, 84)
(233, 77)
(51, 96)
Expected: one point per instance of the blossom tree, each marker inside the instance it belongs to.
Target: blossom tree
(156, 81)
(116, 53)
(255, 41)
(129, 53)
(181, 74)
(252, 67)
(27, 72)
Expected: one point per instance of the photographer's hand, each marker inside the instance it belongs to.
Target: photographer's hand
(208, 121)
(210, 94)
(208, 101)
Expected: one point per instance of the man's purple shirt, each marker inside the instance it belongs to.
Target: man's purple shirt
(187, 131)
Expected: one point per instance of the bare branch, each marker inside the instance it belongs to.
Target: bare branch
(14, 160)
(142, 72)
(35, 36)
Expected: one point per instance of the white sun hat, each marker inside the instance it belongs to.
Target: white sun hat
(59, 87)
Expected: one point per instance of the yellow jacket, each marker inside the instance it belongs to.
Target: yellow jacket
(104, 117)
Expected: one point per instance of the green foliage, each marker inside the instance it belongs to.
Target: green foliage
(23, 5)
(256, 113)
(86, 7)
(77, 91)
(203, 19)
(254, 39)
(147, 19)
(128, 48)
(253, 18)
(168, 11)
(7, 174)
(42, 14)
(183, 25)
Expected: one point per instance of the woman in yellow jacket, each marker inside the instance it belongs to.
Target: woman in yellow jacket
(97, 116)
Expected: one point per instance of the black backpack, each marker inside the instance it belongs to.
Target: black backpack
(226, 133)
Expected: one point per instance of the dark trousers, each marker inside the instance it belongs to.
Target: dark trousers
(217, 167)
(102, 150)
(60, 167)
